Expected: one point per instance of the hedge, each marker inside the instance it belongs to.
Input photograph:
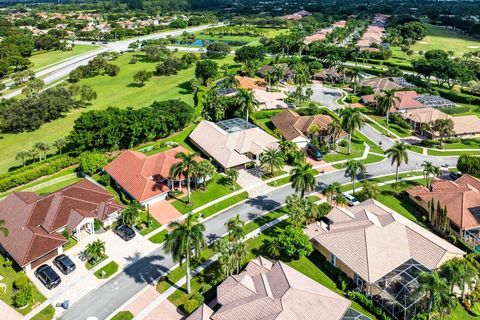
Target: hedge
(368, 304)
(456, 110)
(265, 114)
(457, 96)
(34, 171)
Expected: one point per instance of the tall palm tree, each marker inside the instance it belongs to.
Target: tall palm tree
(332, 190)
(246, 102)
(429, 172)
(354, 74)
(437, 291)
(235, 229)
(184, 166)
(302, 178)
(230, 81)
(232, 176)
(3, 228)
(94, 251)
(386, 101)
(206, 170)
(354, 168)
(186, 240)
(295, 210)
(462, 273)
(352, 119)
(271, 160)
(131, 213)
(398, 155)
(334, 129)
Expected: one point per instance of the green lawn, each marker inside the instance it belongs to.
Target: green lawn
(44, 59)
(473, 143)
(459, 313)
(58, 186)
(250, 39)
(111, 91)
(396, 129)
(267, 176)
(400, 203)
(9, 275)
(108, 270)
(451, 153)
(219, 206)
(217, 187)
(159, 237)
(89, 266)
(158, 146)
(341, 153)
(70, 244)
(145, 220)
(446, 39)
(46, 314)
(123, 315)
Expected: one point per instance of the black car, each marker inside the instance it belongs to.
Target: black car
(48, 276)
(64, 264)
(314, 152)
(125, 232)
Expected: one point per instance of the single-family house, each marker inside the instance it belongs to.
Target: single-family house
(383, 253)
(380, 84)
(408, 100)
(268, 100)
(462, 200)
(36, 223)
(143, 178)
(287, 73)
(331, 74)
(249, 83)
(296, 128)
(231, 143)
(275, 291)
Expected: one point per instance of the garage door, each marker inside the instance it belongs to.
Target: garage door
(46, 257)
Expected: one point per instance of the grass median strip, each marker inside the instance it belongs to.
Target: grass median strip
(47, 313)
(107, 271)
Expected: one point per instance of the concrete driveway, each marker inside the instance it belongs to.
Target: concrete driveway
(326, 96)
(81, 282)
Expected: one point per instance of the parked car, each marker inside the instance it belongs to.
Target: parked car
(351, 200)
(455, 175)
(314, 152)
(124, 232)
(64, 264)
(48, 276)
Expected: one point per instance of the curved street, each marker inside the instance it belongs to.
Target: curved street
(102, 302)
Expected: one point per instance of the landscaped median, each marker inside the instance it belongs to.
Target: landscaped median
(106, 271)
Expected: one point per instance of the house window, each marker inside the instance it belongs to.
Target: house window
(358, 281)
(333, 260)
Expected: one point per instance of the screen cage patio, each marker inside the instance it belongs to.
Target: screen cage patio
(353, 314)
(234, 125)
(472, 238)
(397, 291)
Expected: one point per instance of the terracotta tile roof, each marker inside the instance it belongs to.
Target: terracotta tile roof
(462, 199)
(407, 100)
(381, 84)
(274, 291)
(372, 240)
(33, 221)
(142, 176)
(251, 83)
(292, 125)
(230, 149)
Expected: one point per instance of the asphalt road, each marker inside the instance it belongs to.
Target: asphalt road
(61, 70)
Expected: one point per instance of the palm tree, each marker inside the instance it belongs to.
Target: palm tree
(437, 291)
(353, 168)
(187, 161)
(352, 119)
(43, 147)
(95, 251)
(246, 102)
(205, 169)
(272, 160)
(398, 155)
(370, 190)
(131, 213)
(230, 81)
(334, 129)
(429, 172)
(302, 178)
(22, 156)
(235, 229)
(386, 101)
(3, 228)
(232, 176)
(460, 272)
(332, 190)
(295, 210)
(60, 144)
(186, 240)
(354, 74)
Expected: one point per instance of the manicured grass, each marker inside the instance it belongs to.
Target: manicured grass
(285, 180)
(217, 207)
(46, 314)
(341, 152)
(459, 313)
(153, 224)
(217, 187)
(400, 203)
(53, 57)
(472, 143)
(9, 275)
(265, 124)
(446, 39)
(123, 315)
(158, 146)
(416, 149)
(89, 266)
(371, 158)
(267, 176)
(373, 146)
(451, 153)
(58, 186)
(109, 269)
(348, 186)
(111, 91)
(396, 129)
(70, 244)
(159, 237)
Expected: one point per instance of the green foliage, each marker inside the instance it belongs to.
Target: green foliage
(21, 281)
(368, 304)
(217, 50)
(469, 164)
(23, 296)
(190, 306)
(475, 310)
(293, 243)
(206, 70)
(34, 171)
(92, 162)
(123, 315)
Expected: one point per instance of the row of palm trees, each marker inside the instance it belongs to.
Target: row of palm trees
(39, 151)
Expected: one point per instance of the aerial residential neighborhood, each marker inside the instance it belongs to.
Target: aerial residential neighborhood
(239, 160)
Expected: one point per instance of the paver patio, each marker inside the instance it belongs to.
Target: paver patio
(164, 212)
(6, 312)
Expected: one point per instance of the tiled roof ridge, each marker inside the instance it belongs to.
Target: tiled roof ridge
(366, 255)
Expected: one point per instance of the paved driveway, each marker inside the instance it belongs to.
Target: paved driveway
(326, 96)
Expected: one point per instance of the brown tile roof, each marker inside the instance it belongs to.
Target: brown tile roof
(462, 199)
(140, 175)
(251, 83)
(381, 84)
(292, 125)
(372, 240)
(407, 100)
(274, 291)
(33, 221)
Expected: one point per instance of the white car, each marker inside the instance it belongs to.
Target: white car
(351, 200)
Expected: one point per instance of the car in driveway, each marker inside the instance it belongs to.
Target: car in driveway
(124, 232)
(351, 200)
(314, 152)
(48, 276)
(64, 264)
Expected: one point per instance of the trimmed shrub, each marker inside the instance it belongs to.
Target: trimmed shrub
(21, 281)
(457, 96)
(190, 306)
(23, 297)
(368, 304)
